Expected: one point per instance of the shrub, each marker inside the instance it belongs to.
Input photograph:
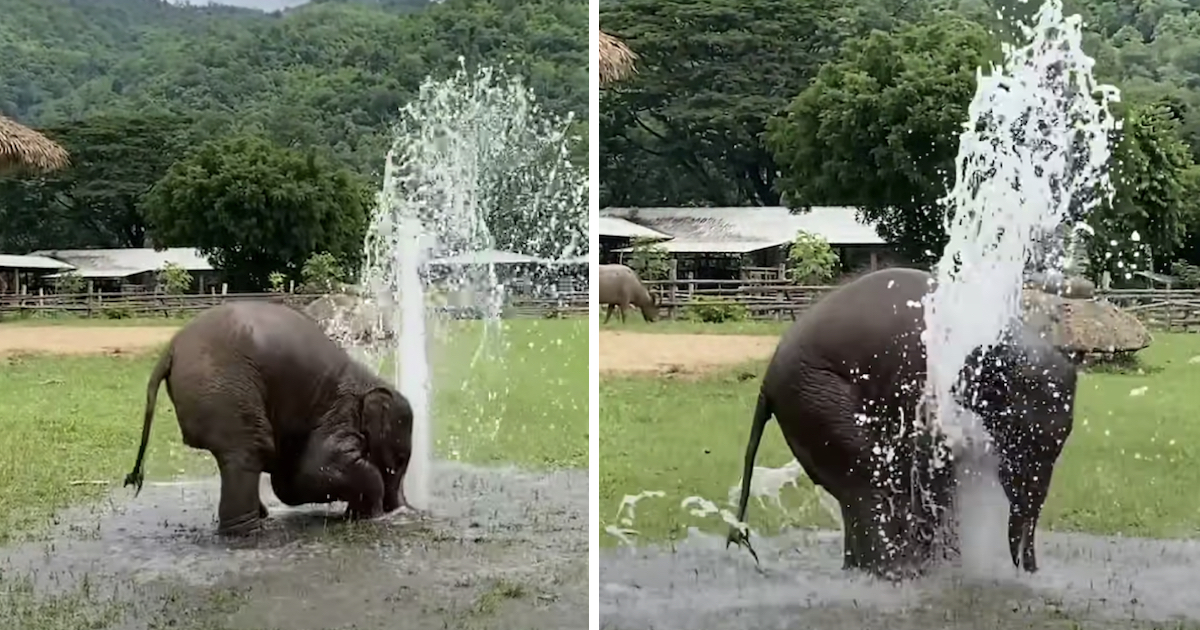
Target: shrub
(715, 310)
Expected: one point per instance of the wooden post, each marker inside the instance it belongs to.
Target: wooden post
(672, 289)
(224, 289)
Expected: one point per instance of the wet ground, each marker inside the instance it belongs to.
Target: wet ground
(1084, 582)
(503, 549)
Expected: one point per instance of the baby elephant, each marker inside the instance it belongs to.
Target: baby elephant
(262, 388)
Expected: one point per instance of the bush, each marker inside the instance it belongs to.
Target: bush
(715, 310)
(70, 283)
(174, 280)
(650, 260)
(811, 260)
(321, 273)
(277, 280)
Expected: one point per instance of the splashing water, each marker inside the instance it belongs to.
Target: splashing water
(475, 166)
(1034, 154)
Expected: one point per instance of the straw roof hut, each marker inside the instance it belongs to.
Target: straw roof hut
(616, 60)
(24, 149)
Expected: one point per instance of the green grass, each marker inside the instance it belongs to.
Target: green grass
(1128, 467)
(72, 424)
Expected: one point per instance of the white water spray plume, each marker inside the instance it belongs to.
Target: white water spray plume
(1034, 154)
(475, 166)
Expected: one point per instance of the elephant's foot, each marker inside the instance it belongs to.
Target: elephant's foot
(242, 525)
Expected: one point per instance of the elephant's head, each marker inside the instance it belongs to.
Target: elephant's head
(386, 419)
(1024, 392)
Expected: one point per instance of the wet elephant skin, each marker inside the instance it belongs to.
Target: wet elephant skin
(262, 388)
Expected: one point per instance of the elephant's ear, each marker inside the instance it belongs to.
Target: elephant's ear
(374, 410)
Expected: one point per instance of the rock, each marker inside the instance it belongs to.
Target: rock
(1084, 326)
(349, 319)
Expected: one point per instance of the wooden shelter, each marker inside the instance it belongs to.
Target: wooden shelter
(23, 149)
(616, 60)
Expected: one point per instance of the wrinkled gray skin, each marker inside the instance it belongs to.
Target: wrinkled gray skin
(859, 352)
(620, 288)
(264, 390)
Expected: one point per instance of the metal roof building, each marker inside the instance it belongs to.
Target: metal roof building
(122, 263)
(740, 230)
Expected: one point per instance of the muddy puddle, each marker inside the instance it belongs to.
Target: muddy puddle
(503, 549)
(1084, 582)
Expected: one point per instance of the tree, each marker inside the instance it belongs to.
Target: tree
(1154, 183)
(810, 259)
(173, 279)
(115, 160)
(320, 274)
(253, 208)
(878, 129)
(649, 259)
(687, 127)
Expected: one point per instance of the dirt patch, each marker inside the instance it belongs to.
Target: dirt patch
(503, 549)
(688, 354)
(82, 339)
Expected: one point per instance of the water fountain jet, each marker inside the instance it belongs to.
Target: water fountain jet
(475, 165)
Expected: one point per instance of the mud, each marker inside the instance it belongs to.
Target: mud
(1084, 582)
(632, 352)
(503, 549)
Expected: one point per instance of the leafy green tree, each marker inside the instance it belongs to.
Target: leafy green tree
(115, 160)
(1154, 197)
(687, 127)
(321, 273)
(649, 259)
(811, 260)
(253, 208)
(173, 279)
(878, 129)
(70, 283)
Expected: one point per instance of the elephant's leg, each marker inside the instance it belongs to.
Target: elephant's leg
(240, 510)
(623, 307)
(608, 315)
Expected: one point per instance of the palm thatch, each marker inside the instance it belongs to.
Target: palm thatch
(24, 149)
(616, 60)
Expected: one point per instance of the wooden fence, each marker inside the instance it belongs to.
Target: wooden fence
(1159, 309)
(143, 305)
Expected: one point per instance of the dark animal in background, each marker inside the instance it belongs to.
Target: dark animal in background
(263, 389)
(845, 384)
(620, 288)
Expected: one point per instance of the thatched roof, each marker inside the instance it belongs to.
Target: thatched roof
(616, 60)
(1087, 326)
(24, 149)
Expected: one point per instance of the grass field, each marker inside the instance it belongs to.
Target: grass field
(72, 424)
(1125, 469)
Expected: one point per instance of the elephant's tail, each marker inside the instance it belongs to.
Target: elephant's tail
(162, 370)
(740, 533)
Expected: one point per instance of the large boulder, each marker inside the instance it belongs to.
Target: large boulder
(1084, 326)
(350, 319)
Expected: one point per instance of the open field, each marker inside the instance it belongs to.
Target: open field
(680, 427)
(506, 545)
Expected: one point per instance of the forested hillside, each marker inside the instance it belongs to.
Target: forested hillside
(860, 103)
(326, 74)
(234, 127)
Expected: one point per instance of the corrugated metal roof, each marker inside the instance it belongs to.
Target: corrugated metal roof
(620, 228)
(121, 263)
(713, 247)
(13, 261)
(839, 225)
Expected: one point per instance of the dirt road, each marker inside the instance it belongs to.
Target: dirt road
(82, 339)
(643, 352)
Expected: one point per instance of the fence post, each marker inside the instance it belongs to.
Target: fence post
(672, 289)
